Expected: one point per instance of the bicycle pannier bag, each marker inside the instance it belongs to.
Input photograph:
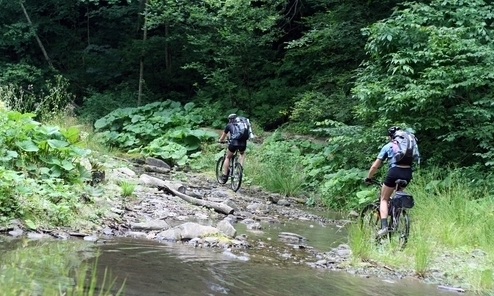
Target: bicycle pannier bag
(402, 199)
(404, 147)
(241, 128)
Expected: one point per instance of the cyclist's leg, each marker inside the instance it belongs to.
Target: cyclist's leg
(229, 154)
(388, 187)
(386, 191)
(241, 150)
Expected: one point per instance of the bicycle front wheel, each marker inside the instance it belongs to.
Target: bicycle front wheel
(370, 218)
(219, 170)
(236, 176)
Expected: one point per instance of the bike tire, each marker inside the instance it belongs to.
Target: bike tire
(370, 218)
(219, 170)
(236, 176)
(401, 229)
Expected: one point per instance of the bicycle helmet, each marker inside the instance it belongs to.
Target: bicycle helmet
(232, 116)
(392, 130)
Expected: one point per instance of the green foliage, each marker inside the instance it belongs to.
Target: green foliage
(166, 130)
(344, 189)
(359, 242)
(39, 166)
(281, 164)
(39, 150)
(434, 73)
(127, 188)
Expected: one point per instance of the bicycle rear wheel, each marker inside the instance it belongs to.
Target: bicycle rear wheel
(219, 170)
(236, 176)
(401, 227)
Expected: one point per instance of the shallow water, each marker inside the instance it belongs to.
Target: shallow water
(156, 268)
(151, 268)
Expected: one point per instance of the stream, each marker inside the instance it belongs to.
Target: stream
(149, 267)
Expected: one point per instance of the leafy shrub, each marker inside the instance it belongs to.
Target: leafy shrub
(340, 189)
(166, 130)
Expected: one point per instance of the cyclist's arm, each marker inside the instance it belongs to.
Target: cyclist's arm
(224, 133)
(374, 167)
(383, 154)
(222, 137)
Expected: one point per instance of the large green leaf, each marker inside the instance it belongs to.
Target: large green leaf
(57, 144)
(28, 146)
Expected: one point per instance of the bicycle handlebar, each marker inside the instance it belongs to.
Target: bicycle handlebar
(373, 182)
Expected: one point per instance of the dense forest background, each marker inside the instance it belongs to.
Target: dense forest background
(345, 70)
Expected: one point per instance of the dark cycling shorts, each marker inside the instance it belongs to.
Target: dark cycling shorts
(241, 148)
(396, 173)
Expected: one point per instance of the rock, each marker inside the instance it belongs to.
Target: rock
(284, 202)
(344, 253)
(274, 198)
(211, 240)
(248, 221)
(151, 225)
(187, 230)
(258, 207)
(137, 234)
(226, 228)
(254, 226)
(91, 238)
(157, 162)
(126, 171)
(16, 232)
(291, 234)
(173, 234)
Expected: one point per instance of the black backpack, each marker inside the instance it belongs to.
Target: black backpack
(241, 129)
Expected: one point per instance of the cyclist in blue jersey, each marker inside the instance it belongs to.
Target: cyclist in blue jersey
(395, 172)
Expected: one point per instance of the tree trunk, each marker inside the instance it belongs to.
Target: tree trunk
(178, 190)
(141, 67)
(167, 54)
(36, 35)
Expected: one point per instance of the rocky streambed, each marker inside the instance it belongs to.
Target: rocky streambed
(195, 211)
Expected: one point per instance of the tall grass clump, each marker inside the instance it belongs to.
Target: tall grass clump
(128, 188)
(277, 167)
(451, 216)
(454, 213)
(360, 241)
(421, 248)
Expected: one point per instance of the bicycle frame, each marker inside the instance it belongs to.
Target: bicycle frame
(394, 214)
(233, 160)
(235, 169)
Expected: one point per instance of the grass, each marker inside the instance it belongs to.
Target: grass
(451, 231)
(360, 241)
(127, 188)
(284, 178)
(89, 139)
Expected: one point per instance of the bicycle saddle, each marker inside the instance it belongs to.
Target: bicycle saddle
(401, 182)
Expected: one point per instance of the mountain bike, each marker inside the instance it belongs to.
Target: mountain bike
(235, 170)
(398, 220)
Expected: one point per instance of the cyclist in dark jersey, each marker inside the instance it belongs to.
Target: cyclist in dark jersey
(395, 172)
(234, 145)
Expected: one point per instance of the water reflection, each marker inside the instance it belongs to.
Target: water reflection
(151, 268)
